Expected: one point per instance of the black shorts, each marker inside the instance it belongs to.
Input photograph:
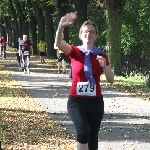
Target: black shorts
(86, 114)
(42, 53)
(61, 56)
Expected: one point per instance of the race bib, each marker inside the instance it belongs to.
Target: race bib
(85, 89)
(41, 48)
(26, 52)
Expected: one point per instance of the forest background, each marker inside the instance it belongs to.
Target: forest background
(124, 28)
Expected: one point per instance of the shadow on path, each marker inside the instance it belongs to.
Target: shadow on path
(126, 118)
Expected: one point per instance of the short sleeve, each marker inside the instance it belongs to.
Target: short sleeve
(73, 51)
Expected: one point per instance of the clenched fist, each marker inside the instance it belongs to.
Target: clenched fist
(102, 61)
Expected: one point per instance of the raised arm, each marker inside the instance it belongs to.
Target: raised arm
(65, 21)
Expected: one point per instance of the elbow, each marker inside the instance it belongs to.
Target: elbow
(57, 44)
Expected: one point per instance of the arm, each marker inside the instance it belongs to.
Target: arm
(6, 43)
(31, 49)
(65, 47)
(55, 47)
(106, 68)
(109, 74)
(45, 46)
(65, 21)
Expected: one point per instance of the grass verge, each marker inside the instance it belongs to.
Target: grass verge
(136, 86)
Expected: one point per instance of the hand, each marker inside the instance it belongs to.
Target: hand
(68, 19)
(102, 61)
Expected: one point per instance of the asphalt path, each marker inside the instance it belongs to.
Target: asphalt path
(126, 123)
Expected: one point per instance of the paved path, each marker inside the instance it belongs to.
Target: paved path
(126, 123)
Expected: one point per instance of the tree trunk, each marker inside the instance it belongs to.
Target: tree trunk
(33, 24)
(21, 18)
(63, 6)
(40, 20)
(25, 26)
(49, 10)
(148, 82)
(10, 36)
(15, 32)
(81, 8)
(41, 25)
(114, 10)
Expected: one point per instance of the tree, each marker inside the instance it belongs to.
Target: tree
(81, 8)
(38, 12)
(148, 82)
(33, 26)
(49, 26)
(114, 11)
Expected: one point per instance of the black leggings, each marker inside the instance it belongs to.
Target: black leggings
(86, 115)
(18, 57)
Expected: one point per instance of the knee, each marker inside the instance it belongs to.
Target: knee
(82, 137)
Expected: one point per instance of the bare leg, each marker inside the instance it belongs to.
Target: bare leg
(22, 61)
(59, 65)
(64, 66)
(43, 59)
(28, 63)
(82, 146)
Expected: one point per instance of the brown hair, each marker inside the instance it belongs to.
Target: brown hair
(88, 23)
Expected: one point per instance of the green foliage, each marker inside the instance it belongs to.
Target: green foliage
(135, 27)
(96, 13)
(132, 79)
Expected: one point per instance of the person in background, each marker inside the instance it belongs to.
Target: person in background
(3, 44)
(62, 58)
(17, 48)
(21, 45)
(85, 103)
(26, 48)
(42, 49)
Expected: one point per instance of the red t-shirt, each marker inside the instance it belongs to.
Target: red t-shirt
(78, 75)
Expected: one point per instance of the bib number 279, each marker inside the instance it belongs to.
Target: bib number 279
(85, 89)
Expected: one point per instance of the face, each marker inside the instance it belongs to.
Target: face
(88, 34)
(25, 38)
